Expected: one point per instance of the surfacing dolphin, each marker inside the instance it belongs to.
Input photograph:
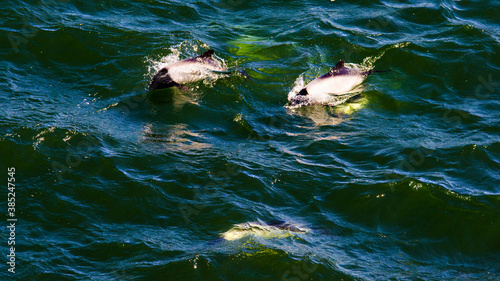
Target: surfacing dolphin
(186, 71)
(339, 81)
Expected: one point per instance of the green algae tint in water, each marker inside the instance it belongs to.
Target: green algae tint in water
(225, 181)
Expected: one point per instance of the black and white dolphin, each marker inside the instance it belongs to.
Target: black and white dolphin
(186, 71)
(340, 80)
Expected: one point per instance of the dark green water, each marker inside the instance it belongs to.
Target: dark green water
(117, 183)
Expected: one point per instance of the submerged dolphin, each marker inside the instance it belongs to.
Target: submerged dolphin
(186, 71)
(340, 80)
(273, 229)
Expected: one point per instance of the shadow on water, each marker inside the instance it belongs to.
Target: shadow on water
(163, 96)
(173, 98)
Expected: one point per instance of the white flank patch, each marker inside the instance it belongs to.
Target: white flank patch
(183, 73)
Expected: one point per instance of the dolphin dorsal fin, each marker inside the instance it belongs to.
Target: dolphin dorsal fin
(207, 54)
(339, 65)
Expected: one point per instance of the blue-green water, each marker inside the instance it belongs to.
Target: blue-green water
(117, 183)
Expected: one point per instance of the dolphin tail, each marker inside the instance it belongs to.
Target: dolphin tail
(375, 71)
(243, 73)
(240, 72)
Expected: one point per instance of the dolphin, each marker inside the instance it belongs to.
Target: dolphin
(273, 229)
(186, 71)
(339, 81)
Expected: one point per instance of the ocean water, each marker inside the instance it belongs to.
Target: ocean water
(113, 182)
